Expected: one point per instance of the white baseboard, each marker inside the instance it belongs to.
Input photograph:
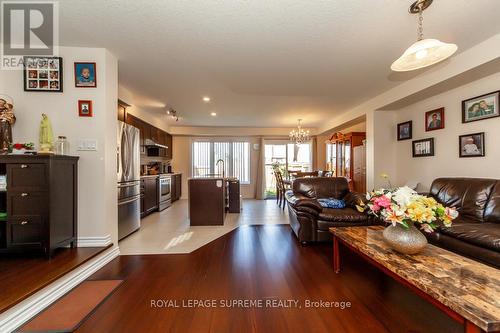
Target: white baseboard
(22, 312)
(99, 241)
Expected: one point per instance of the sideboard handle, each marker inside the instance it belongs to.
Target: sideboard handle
(24, 194)
(24, 222)
(24, 166)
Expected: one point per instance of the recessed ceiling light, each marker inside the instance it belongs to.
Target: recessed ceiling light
(206, 99)
(213, 114)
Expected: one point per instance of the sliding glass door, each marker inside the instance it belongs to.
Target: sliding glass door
(234, 154)
(289, 156)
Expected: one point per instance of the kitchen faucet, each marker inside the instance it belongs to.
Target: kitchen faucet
(223, 166)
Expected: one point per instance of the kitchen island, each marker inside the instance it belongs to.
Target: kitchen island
(210, 198)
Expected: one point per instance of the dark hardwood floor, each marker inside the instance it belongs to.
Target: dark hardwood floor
(259, 262)
(22, 275)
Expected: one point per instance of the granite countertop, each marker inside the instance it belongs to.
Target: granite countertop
(466, 286)
(158, 175)
(215, 177)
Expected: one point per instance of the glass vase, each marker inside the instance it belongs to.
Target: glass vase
(403, 240)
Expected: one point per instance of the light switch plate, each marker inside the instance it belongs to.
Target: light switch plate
(87, 145)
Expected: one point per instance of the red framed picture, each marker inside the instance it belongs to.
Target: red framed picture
(85, 108)
(434, 120)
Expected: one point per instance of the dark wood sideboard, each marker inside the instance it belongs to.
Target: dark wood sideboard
(40, 201)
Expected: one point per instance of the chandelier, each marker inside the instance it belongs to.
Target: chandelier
(424, 52)
(299, 135)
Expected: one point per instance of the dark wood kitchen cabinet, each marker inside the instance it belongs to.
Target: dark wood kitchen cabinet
(136, 122)
(207, 201)
(122, 110)
(149, 132)
(149, 195)
(168, 143)
(39, 203)
(176, 186)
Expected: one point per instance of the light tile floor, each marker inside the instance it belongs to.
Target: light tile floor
(169, 231)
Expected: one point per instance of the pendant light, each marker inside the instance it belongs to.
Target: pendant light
(424, 52)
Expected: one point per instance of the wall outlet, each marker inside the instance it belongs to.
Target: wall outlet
(86, 145)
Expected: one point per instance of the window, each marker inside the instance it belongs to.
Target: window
(236, 157)
(331, 156)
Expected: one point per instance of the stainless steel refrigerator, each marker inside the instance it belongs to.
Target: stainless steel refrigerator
(129, 180)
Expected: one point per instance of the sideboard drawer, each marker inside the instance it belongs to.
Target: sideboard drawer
(26, 203)
(25, 232)
(27, 177)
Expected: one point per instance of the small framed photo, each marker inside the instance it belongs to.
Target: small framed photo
(43, 74)
(85, 108)
(481, 107)
(424, 147)
(85, 75)
(471, 145)
(404, 131)
(434, 120)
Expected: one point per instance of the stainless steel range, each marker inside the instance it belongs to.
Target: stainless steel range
(164, 192)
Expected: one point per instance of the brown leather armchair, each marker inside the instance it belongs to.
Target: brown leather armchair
(309, 220)
(476, 232)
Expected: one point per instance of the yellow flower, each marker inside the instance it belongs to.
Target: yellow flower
(429, 202)
(419, 212)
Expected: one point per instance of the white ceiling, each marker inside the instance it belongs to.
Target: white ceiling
(264, 63)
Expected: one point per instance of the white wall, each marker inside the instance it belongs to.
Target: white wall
(97, 213)
(157, 119)
(382, 140)
(446, 161)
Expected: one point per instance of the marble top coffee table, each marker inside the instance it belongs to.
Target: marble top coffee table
(466, 290)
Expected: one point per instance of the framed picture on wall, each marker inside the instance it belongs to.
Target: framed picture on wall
(405, 130)
(471, 145)
(481, 107)
(424, 147)
(85, 108)
(43, 74)
(85, 75)
(434, 120)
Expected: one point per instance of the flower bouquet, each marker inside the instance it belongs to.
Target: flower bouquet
(404, 208)
(22, 148)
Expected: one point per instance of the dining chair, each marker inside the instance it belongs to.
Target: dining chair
(281, 187)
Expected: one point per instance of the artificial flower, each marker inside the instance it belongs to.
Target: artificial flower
(383, 201)
(405, 206)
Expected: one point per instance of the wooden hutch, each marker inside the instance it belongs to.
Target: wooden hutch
(349, 158)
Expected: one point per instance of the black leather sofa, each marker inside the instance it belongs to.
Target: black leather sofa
(476, 232)
(309, 220)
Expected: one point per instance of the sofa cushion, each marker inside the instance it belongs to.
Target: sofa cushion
(332, 203)
(342, 215)
(484, 234)
(469, 195)
(320, 187)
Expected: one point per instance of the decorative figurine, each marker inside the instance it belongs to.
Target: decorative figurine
(46, 135)
(7, 119)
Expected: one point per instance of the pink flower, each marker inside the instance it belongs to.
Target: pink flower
(375, 208)
(383, 201)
